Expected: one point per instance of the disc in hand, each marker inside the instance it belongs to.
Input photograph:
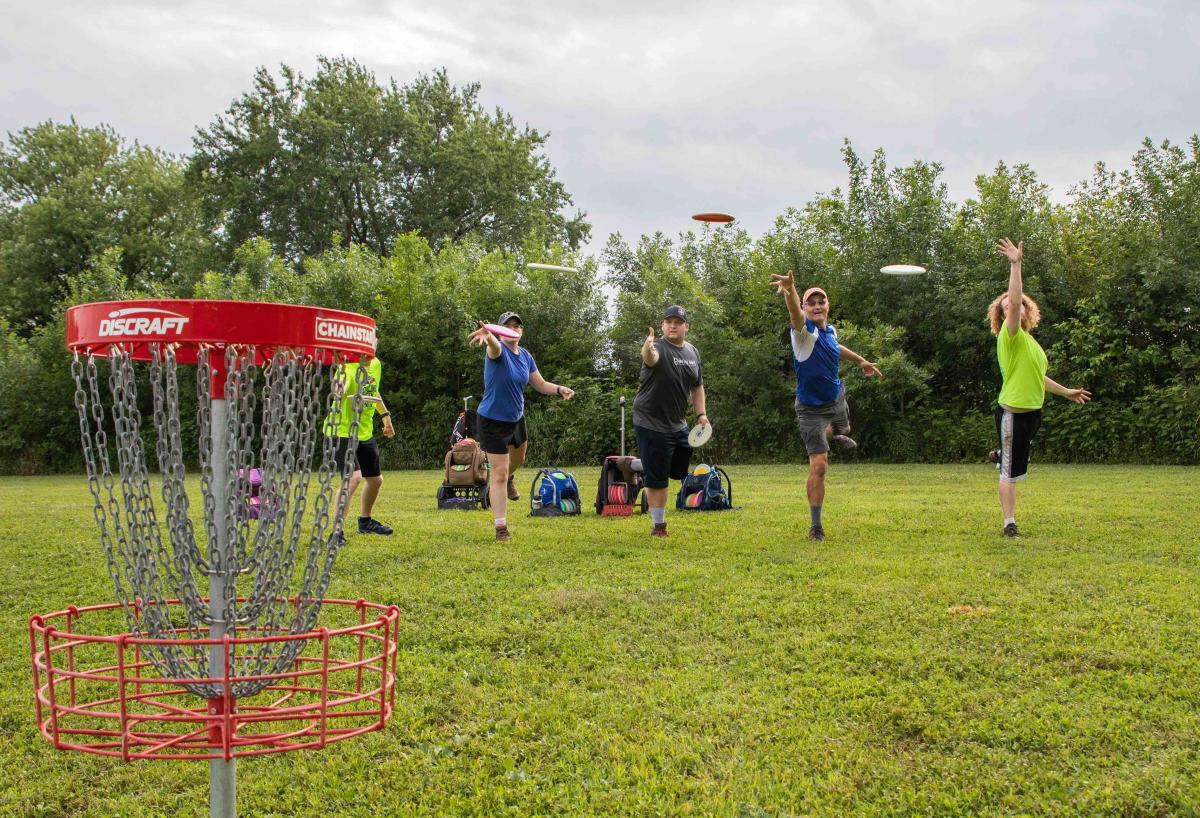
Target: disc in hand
(501, 331)
(699, 435)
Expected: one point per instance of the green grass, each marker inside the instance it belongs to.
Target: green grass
(735, 669)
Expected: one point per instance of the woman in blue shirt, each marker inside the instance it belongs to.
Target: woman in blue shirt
(503, 434)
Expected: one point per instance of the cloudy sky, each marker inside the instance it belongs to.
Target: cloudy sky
(657, 110)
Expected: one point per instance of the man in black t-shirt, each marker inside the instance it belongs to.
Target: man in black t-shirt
(671, 373)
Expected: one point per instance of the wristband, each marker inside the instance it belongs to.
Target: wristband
(558, 390)
(385, 414)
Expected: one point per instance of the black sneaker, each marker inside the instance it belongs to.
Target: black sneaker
(844, 442)
(994, 456)
(816, 533)
(369, 525)
(1010, 530)
(659, 530)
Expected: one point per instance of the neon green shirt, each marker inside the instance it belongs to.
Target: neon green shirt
(1023, 366)
(370, 387)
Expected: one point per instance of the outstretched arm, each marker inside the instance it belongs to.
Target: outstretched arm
(546, 388)
(868, 369)
(649, 353)
(1078, 395)
(787, 286)
(483, 337)
(1014, 253)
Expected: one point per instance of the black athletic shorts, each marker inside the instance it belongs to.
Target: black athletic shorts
(366, 456)
(1016, 430)
(495, 436)
(664, 455)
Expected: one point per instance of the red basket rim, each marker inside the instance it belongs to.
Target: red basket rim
(106, 704)
(191, 323)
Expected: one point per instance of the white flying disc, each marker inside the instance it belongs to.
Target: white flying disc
(501, 331)
(537, 265)
(699, 435)
(902, 270)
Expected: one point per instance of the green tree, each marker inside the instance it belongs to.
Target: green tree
(68, 193)
(299, 161)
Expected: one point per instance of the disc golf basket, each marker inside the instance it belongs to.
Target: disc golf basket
(213, 649)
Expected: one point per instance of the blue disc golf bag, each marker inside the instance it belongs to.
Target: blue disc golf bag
(554, 493)
(705, 489)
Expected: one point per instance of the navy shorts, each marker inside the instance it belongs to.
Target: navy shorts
(366, 456)
(664, 455)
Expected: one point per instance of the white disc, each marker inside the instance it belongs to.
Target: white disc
(699, 435)
(537, 265)
(902, 270)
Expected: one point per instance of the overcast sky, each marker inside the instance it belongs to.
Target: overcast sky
(658, 110)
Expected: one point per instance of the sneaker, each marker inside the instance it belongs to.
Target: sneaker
(369, 525)
(1010, 530)
(994, 456)
(513, 494)
(659, 530)
(844, 442)
(502, 534)
(816, 533)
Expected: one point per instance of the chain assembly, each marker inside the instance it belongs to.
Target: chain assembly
(268, 568)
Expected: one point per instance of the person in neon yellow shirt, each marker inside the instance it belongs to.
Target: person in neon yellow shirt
(366, 454)
(1023, 365)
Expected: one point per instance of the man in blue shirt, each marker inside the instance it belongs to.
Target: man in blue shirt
(503, 434)
(820, 394)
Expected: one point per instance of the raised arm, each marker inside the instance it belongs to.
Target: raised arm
(649, 352)
(1014, 253)
(483, 337)
(787, 286)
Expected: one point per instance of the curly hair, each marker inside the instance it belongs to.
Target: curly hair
(1030, 314)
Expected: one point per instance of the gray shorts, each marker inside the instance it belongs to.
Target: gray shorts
(814, 420)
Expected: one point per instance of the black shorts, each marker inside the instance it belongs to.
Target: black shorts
(495, 436)
(664, 455)
(1016, 430)
(366, 456)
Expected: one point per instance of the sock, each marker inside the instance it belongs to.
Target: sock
(501, 522)
(658, 516)
(1008, 520)
(815, 511)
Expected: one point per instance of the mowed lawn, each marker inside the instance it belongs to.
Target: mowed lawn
(915, 663)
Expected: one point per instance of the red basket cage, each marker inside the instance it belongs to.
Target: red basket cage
(101, 694)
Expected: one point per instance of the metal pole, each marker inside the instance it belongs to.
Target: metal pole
(222, 784)
(622, 426)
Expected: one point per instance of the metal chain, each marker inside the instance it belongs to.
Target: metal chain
(300, 519)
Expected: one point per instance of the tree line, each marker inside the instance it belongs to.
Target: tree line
(415, 205)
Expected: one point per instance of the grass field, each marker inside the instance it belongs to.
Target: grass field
(915, 663)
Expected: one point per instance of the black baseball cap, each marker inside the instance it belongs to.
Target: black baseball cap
(508, 316)
(675, 311)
